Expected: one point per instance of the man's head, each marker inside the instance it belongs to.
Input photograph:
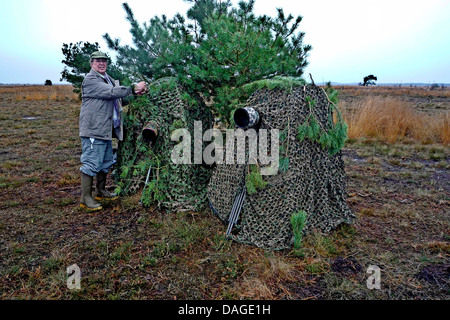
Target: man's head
(99, 62)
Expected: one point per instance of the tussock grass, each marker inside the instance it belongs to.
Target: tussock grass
(391, 119)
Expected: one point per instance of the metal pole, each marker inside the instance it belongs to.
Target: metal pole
(234, 216)
(146, 180)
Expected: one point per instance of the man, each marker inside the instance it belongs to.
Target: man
(100, 121)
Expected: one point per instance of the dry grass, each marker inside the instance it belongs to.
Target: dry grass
(40, 92)
(131, 252)
(392, 119)
(399, 91)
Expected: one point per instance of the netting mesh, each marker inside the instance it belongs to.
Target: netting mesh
(313, 181)
(310, 177)
(170, 186)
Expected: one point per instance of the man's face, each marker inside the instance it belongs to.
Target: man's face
(99, 65)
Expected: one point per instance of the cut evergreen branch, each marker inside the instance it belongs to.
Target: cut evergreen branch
(334, 136)
(254, 180)
(298, 221)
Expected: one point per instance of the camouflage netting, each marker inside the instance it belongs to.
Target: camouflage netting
(170, 186)
(311, 175)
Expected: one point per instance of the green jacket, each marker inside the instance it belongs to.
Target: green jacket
(97, 107)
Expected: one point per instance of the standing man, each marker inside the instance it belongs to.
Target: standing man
(100, 121)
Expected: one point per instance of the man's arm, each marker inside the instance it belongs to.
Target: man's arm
(98, 89)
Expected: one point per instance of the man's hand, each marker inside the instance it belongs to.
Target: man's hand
(140, 88)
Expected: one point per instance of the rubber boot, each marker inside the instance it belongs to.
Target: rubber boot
(102, 194)
(87, 202)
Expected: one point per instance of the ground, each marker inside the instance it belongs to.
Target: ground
(399, 193)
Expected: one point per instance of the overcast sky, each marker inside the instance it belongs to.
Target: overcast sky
(399, 41)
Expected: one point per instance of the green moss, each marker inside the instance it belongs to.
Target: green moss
(276, 83)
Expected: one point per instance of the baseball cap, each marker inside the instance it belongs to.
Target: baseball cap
(98, 55)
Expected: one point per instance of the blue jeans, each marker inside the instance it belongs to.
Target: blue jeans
(96, 156)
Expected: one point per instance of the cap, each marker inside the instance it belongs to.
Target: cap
(98, 55)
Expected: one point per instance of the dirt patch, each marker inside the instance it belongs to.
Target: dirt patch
(346, 266)
(438, 275)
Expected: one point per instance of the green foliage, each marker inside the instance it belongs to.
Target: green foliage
(283, 164)
(77, 62)
(333, 95)
(334, 135)
(219, 50)
(337, 136)
(275, 83)
(254, 180)
(298, 220)
(169, 184)
(221, 243)
(122, 252)
(156, 190)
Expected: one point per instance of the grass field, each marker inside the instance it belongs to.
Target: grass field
(398, 187)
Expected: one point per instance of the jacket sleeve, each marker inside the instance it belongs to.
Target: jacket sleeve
(98, 89)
